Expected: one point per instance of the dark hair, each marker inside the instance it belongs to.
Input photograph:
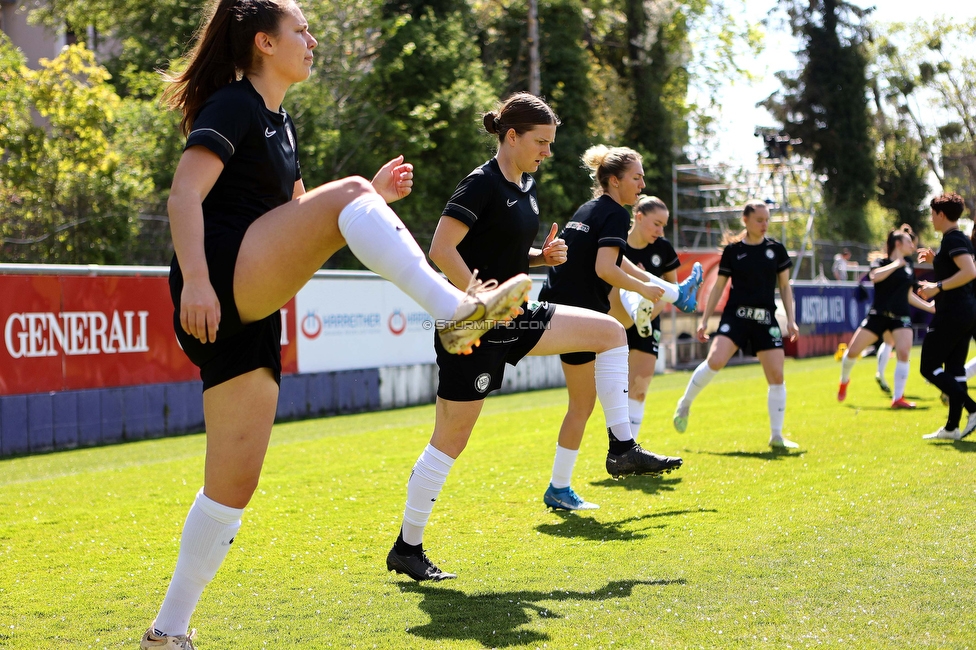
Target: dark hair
(604, 162)
(901, 233)
(222, 53)
(951, 205)
(522, 112)
(646, 204)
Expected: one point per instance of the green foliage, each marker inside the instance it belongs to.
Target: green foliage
(423, 98)
(925, 71)
(902, 181)
(826, 106)
(74, 178)
(855, 541)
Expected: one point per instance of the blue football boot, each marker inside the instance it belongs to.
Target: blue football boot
(688, 290)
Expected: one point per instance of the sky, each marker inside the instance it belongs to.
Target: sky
(736, 143)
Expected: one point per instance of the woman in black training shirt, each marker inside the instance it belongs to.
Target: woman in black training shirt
(894, 280)
(247, 237)
(946, 342)
(756, 265)
(596, 237)
(490, 223)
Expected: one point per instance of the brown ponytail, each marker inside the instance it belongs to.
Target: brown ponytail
(223, 52)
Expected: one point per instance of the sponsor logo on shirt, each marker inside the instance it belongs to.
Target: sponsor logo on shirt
(577, 225)
(740, 256)
(511, 202)
(268, 132)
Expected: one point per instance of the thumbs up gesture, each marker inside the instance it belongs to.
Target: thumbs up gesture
(554, 250)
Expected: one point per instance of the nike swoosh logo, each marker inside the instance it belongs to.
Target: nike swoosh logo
(268, 132)
(739, 257)
(512, 202)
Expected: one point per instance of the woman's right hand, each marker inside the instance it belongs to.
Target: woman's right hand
(199, 310)
(702, 332)
(652, 292)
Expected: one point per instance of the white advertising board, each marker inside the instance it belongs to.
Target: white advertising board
(362, 322)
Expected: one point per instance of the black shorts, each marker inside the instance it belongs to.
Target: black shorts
(239, 348)
(752, 329)
(651, 344)
(469, 378)
(878, 324)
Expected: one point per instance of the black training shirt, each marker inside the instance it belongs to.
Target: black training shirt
(954, 243)
(503, 221)
(259, 152)
(753, 271)
(597, 223)
(657, 258)
(891, 294)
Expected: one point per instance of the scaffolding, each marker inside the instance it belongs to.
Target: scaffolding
(707, 203)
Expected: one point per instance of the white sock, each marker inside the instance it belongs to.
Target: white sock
(846, 365)
(375, 235)
(971, 369)
(884, 353)
(901, 378)
(630, 300)
(562, 467)
(636, 408)
(423, 487)
(207, 535)
(699, 379)
(610, 370)
(776, 404)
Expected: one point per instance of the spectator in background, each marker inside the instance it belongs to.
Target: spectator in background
(840, 264)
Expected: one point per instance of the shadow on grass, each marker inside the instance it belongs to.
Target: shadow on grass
(646, 484)
(965, 446)
(496, 619)
(771, 454)
(855, 407)
(573, 526)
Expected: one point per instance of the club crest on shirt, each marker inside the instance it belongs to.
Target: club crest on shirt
(770, 254)
(655, 260)
(482, 383)
(535, 206)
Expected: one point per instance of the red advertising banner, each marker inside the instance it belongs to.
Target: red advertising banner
(78, 332)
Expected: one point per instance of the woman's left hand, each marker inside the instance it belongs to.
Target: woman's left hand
(792, 330)
(394, 180)
(927, 290)
(554, 251)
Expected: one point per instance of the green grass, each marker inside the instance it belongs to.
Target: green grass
(862, 539)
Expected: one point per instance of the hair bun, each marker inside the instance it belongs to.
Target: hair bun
(491, 122)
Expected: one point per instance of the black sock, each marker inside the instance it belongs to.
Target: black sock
(618, 447)
(407, 549)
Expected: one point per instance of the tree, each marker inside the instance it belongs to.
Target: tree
(825, 106)
(925, 75)
(72, 182)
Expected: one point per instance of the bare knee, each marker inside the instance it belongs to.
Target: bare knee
(612, 335)
(355, 187)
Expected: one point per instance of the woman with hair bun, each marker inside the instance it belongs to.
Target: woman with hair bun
(596, 237)
(247, 237)
(755, 265)
(490, 224)
(894, 281)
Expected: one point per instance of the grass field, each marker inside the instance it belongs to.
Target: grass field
(863, 538)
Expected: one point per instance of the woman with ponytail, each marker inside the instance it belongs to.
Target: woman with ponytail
(596, 237)
(894, 283)
(756, 266)
(247, 237)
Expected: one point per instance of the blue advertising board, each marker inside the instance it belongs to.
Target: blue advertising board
(831, 309)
